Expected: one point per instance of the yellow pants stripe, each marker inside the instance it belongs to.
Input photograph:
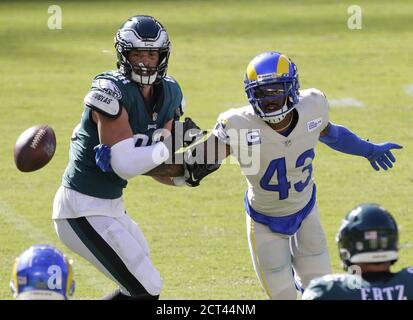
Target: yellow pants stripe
(257, 260)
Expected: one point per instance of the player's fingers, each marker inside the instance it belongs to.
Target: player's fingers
(374, 165)
(390, 156)
(382, 164)
(394, 146)
(387, 161)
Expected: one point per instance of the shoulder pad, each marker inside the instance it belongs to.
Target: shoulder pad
(316, 92)
(315, 289)
(170, 79)
(108, 86)
(103, 103)
(320, 95)
(408, 270)
(320, 288)
(312, 92)
(105, 94)
(234, 114)
(230, 113)
(114, 76)
(318, 99)
(172, 84)
(177, 98)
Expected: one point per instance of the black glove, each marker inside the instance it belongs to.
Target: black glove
(194, 172)
(183, 134)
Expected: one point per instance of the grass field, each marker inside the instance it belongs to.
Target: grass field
(197, 236)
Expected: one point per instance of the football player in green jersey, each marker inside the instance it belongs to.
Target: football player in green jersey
(368, 245)
(131, 110)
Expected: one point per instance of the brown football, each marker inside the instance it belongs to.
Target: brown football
(34, 148)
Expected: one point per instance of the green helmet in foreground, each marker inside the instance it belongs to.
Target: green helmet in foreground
(368, 234)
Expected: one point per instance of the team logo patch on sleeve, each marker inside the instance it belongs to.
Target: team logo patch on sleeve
(314, 124)
(110, 88)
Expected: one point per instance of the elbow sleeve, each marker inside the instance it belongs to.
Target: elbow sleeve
(129, 161)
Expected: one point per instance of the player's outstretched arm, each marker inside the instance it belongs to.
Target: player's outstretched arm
(342, 139)
(126, 160)
(182, 134)
(103, 160)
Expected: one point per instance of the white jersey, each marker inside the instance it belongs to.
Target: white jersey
(283, 183)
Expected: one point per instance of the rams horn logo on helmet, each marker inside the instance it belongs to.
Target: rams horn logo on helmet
(277, 70)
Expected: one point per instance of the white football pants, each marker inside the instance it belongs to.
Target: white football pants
(274, 255)
(115, 246)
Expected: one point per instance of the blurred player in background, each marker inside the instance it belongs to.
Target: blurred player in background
(42, 272)
(282, 126)
(125, 109)
(368, 239)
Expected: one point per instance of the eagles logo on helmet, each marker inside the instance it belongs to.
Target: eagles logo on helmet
(272, 76)
(142, 33)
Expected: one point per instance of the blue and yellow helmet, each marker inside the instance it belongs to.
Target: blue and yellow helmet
(42, 272)
(278, 76)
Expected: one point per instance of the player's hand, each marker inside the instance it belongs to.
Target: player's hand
(182, 135)
(102, 157)
(185, 133)
(191, 132)
(194, 172)
(382, 156)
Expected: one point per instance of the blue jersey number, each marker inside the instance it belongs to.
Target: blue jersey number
(279, 166)
(283, 185)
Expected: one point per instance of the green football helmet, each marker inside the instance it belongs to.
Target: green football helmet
(144, 33)
(368, 234)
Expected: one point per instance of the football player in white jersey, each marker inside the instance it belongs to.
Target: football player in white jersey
(282, 126)
(273, 139)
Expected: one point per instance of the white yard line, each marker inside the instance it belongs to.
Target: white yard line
(109, 52)
(409, 89)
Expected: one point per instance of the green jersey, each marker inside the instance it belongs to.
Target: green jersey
(111, 91)
(392, 286)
